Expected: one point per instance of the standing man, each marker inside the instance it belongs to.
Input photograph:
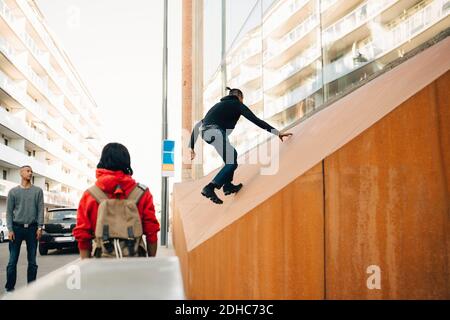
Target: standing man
(218, 123)
(24, 218)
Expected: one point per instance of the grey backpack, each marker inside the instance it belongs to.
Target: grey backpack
(118, 232)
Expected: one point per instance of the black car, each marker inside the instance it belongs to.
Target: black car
(57, 230)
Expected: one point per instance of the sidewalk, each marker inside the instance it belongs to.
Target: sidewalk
(166, 251)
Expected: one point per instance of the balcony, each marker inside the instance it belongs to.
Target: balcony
(73, 120)
(35, 23)
(248, 77)
(50, 197)
(351, 62)
(6, 48)
(36, 53)
(353, 21)
(21, 38)
(11, 61)
(40, 113)
(298, 67)
(39, 140)
(5, 186)
(333, 10)
(285, 16)
(326, 4)
(292, 97)
(17, 159)
(43, 34)
(29, 42)
(254, 97)
(38, 82)
(54, 100)
(295, 41)
(416, 20)
(9, 85)
(246, 52)
(41, 86)
(7, 14)
(404, 30)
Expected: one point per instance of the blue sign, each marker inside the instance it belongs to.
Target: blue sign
(168, 158)
(169, 146)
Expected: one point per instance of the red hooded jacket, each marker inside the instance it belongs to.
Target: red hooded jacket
(108, 181)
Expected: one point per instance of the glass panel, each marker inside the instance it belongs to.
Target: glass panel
(62, 215)
(212, 52)
(266, 4)
(292, 61)
(244, 71)
(238, 14)
(362, 37)
(212, 31)
(290, 56)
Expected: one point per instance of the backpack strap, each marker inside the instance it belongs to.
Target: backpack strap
(137, 193)
(97, 193)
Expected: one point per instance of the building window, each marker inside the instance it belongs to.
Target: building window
(32, 180)
(47, 186)
(6, 141)
(5, 175)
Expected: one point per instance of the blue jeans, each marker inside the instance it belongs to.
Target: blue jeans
(21, 234)
(218, 138)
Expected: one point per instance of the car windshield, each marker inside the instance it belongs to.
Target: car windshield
(62, 215)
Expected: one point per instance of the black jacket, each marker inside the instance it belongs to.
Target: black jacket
(226, 114)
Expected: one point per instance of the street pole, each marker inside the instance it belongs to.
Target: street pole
(164, 191)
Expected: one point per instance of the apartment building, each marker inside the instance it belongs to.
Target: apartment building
(48, 119)
(291, 56)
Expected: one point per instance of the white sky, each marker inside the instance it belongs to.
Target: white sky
(116, 46)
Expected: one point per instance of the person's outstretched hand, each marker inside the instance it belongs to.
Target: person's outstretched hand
(192, 154)
(284, 135)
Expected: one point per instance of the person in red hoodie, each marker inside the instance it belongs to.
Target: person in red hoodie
(114, 178)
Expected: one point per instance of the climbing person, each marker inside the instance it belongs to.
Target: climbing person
(116, 212)
(215, 128)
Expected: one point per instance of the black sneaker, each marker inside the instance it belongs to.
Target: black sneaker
(209, 193)
(231, 188)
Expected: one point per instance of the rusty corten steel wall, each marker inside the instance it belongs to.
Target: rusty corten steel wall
(273, 252)
(382, 199)
(180, 248)
(387, 203)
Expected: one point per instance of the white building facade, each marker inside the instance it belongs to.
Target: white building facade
(48, 119)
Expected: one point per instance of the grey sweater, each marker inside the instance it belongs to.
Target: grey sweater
(25, 206)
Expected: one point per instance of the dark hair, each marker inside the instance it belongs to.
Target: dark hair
(235, 92)
(115, 157)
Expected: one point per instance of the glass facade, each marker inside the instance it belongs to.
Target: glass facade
(291, 56)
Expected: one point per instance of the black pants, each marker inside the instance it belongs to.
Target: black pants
(218, 138)
(29, 236)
